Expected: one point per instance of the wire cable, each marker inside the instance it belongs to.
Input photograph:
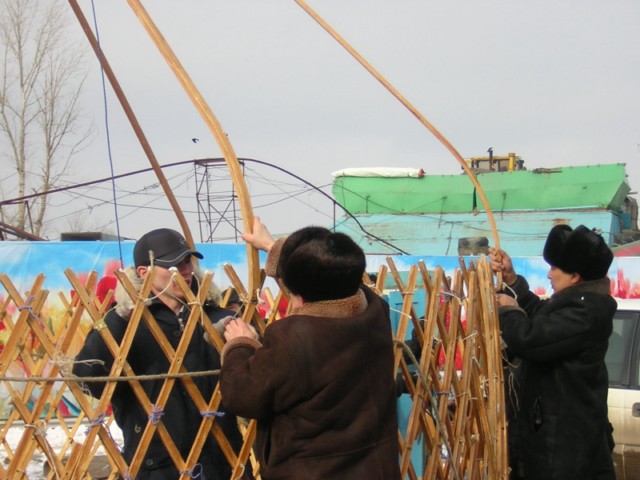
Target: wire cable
(106, 125)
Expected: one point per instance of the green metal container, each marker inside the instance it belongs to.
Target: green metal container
(595, 186)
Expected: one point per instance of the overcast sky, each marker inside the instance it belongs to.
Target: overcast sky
(556, 82)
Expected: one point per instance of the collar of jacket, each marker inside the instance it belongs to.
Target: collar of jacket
(600, 286)
(342, 307)
(124, 304)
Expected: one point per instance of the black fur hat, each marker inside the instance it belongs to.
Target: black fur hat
(580, 251)
(318, 264)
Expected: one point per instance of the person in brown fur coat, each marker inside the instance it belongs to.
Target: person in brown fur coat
(321, 383)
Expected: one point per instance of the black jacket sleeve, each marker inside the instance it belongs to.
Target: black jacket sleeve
(95, 358)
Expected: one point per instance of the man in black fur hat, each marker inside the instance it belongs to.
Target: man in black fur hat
(563, 428)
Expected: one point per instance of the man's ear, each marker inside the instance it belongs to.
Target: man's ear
(142, 271)
(575, 278)
(296, 300)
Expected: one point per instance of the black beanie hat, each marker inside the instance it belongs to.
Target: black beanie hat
(319, 264)
(580, 251)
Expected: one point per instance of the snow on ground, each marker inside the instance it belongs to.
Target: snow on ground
(56, 437)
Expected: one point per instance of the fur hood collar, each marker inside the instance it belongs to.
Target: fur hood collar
(341, 307)
(124, 304)
(600, 286)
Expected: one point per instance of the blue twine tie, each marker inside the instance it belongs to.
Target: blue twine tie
(29, 309)
(96, 422)
(212, 413)
(156, 413)
(100, 421)
(192, 473)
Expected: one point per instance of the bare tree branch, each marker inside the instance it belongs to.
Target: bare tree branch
(41, 126)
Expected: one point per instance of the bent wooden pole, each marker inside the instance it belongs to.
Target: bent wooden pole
(412, 109)
(216, 129)
(166, 188)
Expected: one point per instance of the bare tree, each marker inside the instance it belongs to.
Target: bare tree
(41, 127)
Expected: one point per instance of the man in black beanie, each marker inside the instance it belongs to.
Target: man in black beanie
(321, 383)
(562, 425)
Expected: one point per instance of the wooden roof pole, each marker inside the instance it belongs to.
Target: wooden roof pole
(412, 109)
(219, 134)
(134, 122)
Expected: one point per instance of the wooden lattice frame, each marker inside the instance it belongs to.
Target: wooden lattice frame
(458, 413)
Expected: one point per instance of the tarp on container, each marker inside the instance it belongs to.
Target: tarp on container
(384, 172)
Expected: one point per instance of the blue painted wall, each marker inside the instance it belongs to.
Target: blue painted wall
(521, 233)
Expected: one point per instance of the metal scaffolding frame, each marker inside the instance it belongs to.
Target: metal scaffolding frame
(219, 217)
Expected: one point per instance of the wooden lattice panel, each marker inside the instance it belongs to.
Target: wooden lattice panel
(457, 412)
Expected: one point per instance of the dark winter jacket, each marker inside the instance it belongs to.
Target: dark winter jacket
(180, 415)
(562, 341)
(322, 389)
